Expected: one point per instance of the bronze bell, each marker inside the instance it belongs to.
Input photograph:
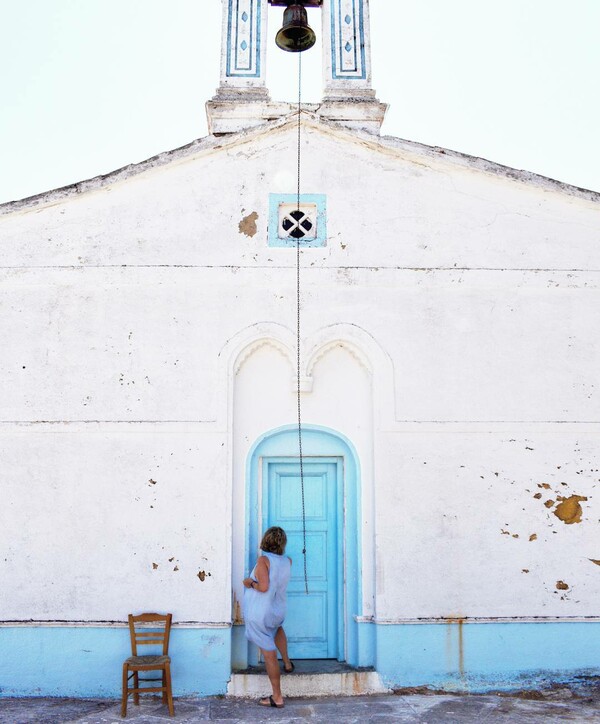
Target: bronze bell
(296, 34)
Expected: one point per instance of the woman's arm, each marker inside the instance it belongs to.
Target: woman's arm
(262, 575)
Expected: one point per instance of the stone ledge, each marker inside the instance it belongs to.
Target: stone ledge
(353, 683)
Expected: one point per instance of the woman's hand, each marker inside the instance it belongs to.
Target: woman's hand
(248, 582)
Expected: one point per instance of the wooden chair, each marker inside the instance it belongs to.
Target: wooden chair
(146, 629)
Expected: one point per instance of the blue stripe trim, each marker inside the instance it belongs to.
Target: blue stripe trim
(233, 46)
(337, 49)
(83, 661)
(480, 657)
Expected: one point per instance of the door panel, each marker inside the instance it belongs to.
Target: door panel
(312, 620)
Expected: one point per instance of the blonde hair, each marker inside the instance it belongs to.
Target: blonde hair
(274, 541)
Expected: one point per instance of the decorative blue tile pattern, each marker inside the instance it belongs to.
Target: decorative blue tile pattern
(243, 38)
(348, 34)
(313, 227)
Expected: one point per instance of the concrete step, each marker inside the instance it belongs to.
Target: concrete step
(309, 679)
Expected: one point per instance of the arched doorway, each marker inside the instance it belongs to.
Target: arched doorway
(320, 624)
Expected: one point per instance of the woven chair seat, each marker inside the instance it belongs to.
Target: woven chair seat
(147, 660)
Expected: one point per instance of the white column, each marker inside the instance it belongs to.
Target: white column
(243, 49)
(346, 49)
(242, 100)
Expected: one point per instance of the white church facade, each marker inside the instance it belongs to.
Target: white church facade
(449, 384)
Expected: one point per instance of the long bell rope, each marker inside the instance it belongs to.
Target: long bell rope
(298, 395)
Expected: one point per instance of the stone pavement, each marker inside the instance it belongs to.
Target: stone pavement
(380, 709)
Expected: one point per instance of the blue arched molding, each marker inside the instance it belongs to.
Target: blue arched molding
(316, 441)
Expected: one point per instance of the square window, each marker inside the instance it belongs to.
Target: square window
(297, 223)
(289, 224)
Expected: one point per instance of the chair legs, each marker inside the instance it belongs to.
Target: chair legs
(169, 691)
(167, 694)
(125, 693)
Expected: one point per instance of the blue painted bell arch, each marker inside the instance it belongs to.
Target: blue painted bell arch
(317, 442)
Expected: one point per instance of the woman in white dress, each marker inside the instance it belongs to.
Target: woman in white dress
(265, 607)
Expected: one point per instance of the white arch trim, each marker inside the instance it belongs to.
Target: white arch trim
(354, 339)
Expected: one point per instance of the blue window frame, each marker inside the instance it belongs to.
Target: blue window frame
(312, 224)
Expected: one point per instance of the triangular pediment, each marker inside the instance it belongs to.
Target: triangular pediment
(409, 151)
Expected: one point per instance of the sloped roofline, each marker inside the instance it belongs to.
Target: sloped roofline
(386, 144)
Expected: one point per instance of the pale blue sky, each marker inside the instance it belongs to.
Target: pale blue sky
(92, 85)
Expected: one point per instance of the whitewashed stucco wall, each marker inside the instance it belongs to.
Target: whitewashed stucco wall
(479, 290)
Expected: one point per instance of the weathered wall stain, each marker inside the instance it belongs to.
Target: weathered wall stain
(237, 611)
(461, 647)
(457, 621)
(593, 560)
(562, 586)
(569, 510)
(533, 537)
(202, 575)
(248, 224)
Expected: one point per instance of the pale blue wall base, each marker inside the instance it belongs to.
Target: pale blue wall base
(239, 648)
(486, 656)
(367, 644)
(87, 661)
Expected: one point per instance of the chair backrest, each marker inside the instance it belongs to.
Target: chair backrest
(150, 628)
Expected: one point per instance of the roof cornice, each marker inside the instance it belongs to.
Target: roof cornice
(410, 150)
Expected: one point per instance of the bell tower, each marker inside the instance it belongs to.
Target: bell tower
(242, 100)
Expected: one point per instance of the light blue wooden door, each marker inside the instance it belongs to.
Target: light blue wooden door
(313, 621)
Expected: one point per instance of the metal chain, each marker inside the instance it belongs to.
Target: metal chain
(298, 331)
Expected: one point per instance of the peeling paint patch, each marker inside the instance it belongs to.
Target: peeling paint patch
(569, 510)
(533, 537)
(537, 496)
(593, 560)
(562, 586)
(202, 575)
(248, 224)
(154, 566)
(549, 503)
